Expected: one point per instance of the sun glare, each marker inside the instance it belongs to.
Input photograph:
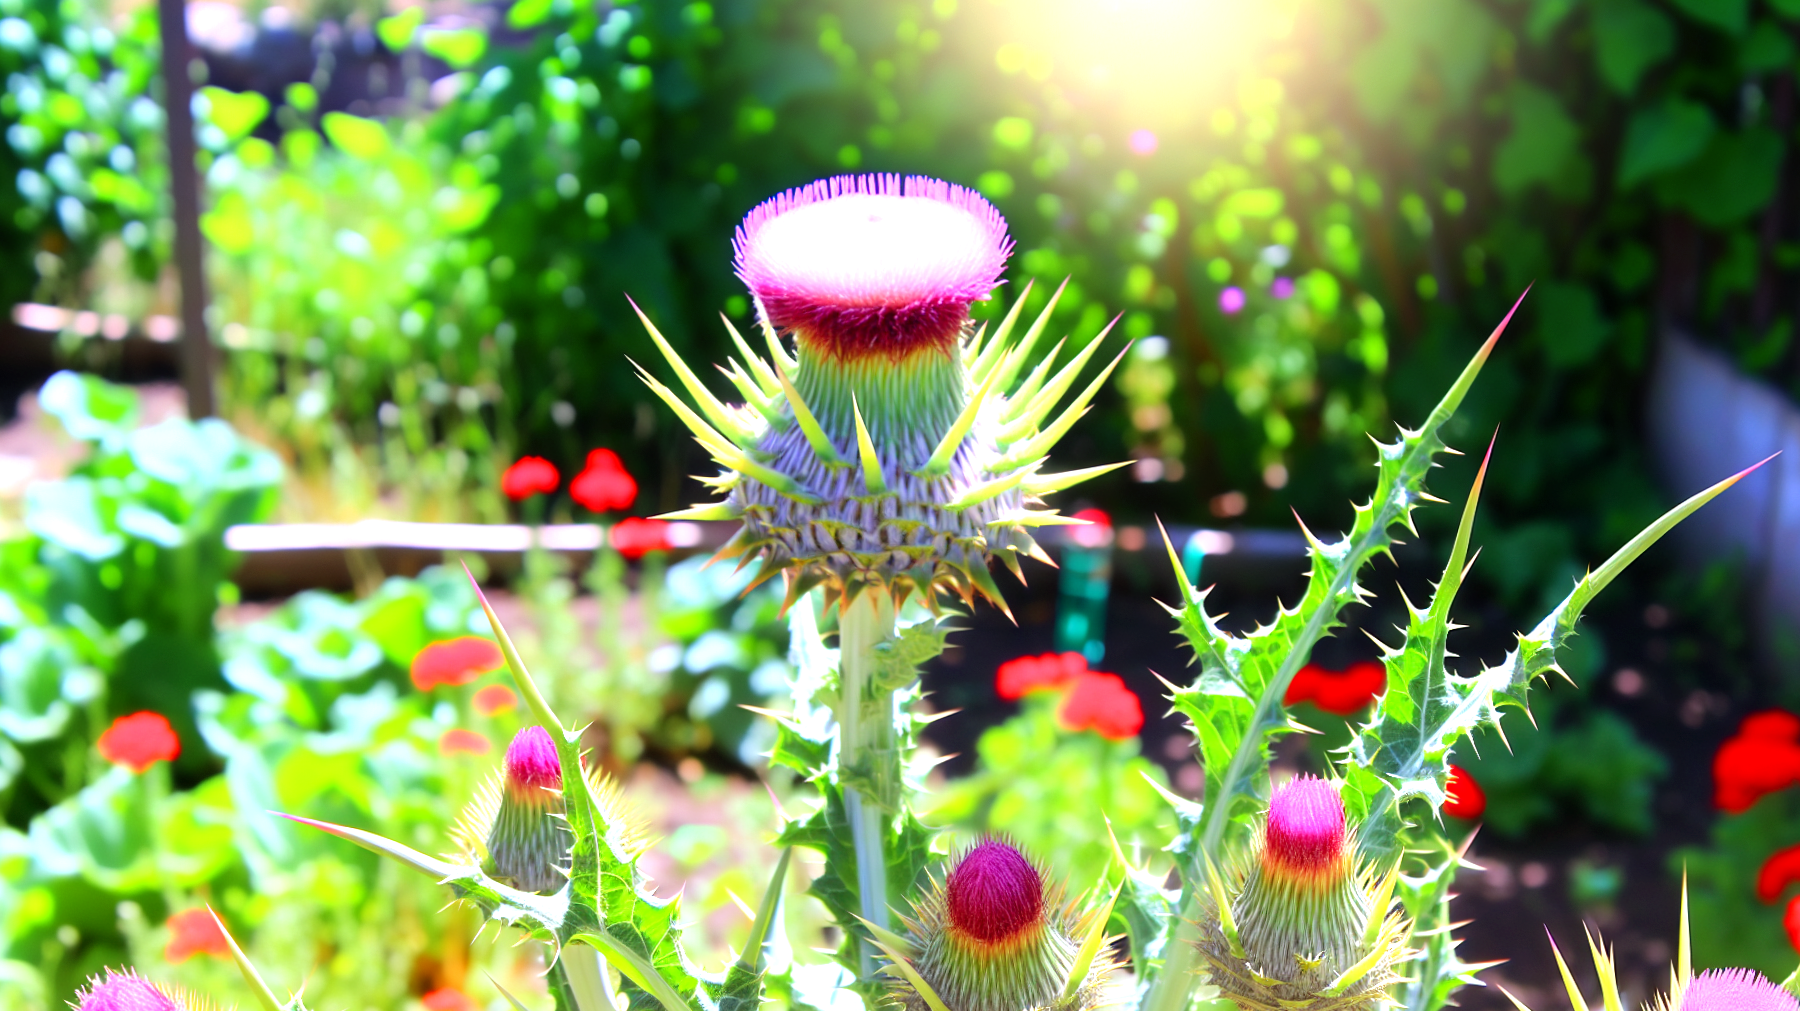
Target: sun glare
(1160, 63)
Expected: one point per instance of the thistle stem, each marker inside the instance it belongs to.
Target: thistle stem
(868, 756)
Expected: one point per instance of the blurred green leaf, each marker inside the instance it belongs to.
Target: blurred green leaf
(1543, 142)
(228, 225)
(103, 834)
(70, 514)
(32, 666)
(236, 113)
(1734, 178)
(1663, 137)
(365, 139)
(1630, 37)
(459, 47)
(528, 13)
(89, 408)
(1726, 15)
(397, 32)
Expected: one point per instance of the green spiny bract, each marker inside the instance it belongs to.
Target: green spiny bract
(993, 937)
(1300, 927)
(886, 452)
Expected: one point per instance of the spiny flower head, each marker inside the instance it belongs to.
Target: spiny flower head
(894, 448)
(515, 826)
(127, 991)
(994, 937)
(1286, 927)
(1735, 990)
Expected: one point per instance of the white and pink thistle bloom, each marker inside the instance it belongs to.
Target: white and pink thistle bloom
(895, 446)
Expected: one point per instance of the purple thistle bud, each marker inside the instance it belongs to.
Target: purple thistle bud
(126, 991)
(874, 264)
(1305, 835)
(528, 841)
(994, 893)
(1735, 990)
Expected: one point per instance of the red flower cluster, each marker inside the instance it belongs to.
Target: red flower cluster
(530, 476)
(604, 485)
(494, 700)
(1778, 872)
(1094, 701)
(454, 662)
(1338, 692)
(448, 998)
(1763, 757)
(139, 741)
(1025, 674)
(1463, 797)
(195, 932)
(635, 537)
(1102, 703)
(463, 742)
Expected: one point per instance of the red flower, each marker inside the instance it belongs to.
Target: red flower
(448, 998)
(454, 662)
(1097, 533)
(1102, 703)
(1792, 922)
(139, 741)
(1763, 757)
(1463, 797)
(1779, 871)
(529, 476)
(1341, 693)
(603, 485)
(635, 537)
(195, 932)
(464, 742)
(1025, 674)
(495, 699)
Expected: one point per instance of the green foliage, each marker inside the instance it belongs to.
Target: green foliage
(1589, 764)
(1056, 793)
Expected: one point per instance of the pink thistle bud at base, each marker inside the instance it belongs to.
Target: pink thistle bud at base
(1734, 990)
(1302, 913)
(995, 938)
(527, 839)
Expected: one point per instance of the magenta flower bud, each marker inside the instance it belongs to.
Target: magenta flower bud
(995, 938)
(1305, 839)
(527, 839)
(1735, 990)
(127, 991)
(994, 894)
(1298, 914)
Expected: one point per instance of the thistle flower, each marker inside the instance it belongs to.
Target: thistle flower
(127, 991)
(884, 452)
(1303, 927)
(514, 826)
(993, 937)
(1735, 990)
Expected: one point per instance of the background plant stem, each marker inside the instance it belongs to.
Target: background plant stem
(867, 752)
